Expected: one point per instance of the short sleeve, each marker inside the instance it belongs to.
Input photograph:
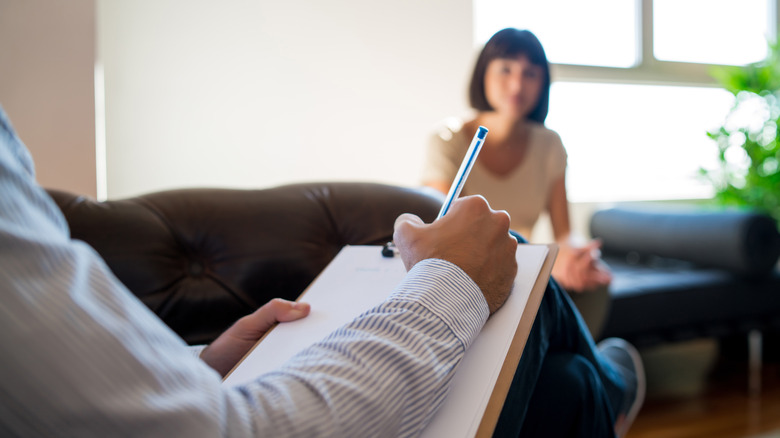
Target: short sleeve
(444, 153)
(557, 157)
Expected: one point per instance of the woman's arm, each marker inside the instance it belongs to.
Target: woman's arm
(558, 209)
(439, 186)
(578, 267)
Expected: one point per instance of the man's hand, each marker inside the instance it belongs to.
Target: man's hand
(235, 342)
(472, 236)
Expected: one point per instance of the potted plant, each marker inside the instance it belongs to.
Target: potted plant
(748, 143)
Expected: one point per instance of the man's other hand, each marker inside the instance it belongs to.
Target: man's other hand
(225, 352)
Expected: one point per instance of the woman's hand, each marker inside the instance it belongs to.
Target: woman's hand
(580, 269)
(235, 342)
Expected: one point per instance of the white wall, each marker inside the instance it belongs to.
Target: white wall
(258, 93)
(47, 52)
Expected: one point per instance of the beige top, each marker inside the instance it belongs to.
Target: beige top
(523, 192)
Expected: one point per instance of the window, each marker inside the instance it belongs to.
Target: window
(710, 31)
(636, 142)
(632, 96)
(592, 36)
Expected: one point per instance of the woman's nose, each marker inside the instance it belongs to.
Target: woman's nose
(516, 83)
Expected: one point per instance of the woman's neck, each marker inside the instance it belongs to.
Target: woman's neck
(506, 144)
(503, 130)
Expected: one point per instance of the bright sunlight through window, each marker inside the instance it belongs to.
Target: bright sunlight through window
(636, 142)
(598, 32)
(710, 31)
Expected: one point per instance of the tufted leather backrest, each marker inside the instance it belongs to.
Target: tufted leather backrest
(202, 258)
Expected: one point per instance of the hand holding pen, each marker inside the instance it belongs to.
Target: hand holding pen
(473, 237)
(466, 165)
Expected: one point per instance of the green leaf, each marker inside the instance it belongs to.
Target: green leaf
(754, 187)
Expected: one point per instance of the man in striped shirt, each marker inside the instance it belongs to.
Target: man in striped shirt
(83, 357)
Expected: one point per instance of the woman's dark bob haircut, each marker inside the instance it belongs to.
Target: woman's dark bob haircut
(511, 43)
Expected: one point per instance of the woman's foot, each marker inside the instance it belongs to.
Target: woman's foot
(628, 362)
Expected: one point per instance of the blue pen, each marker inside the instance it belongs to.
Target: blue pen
(465, 169)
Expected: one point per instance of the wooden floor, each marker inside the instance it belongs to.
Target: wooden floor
(724, 407)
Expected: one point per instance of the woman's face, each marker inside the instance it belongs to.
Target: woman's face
(513, 86)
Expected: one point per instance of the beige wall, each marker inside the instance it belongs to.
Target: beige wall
(47, 52)
(258, 93)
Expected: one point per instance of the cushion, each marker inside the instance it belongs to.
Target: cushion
(742, 242)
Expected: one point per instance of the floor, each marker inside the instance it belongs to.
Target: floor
(693, 392)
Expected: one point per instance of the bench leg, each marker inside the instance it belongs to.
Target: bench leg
(754, 362)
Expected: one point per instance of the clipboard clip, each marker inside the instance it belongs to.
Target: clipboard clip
(389, 250)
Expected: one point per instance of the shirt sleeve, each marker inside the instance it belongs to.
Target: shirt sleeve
(83, 357)
(384, 374)
(556, 156)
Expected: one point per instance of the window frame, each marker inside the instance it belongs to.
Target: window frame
(649, 70)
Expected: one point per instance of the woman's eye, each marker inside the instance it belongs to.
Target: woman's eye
(531, 74)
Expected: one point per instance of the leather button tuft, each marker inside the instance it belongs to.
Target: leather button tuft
(196, 269)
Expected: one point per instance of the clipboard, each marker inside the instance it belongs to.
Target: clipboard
(477, 391)
(512, 360)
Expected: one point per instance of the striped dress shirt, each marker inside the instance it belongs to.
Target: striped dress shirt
(83, 357)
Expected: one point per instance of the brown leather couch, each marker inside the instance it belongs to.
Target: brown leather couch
(202, 258)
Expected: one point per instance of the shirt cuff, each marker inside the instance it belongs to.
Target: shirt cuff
(195, 350)
(448, 292)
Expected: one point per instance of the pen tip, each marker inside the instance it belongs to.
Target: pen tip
(481, 132)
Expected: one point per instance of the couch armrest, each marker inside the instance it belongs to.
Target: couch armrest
(742, 242)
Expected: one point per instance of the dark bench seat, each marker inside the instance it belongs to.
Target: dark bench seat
(686, 273)
(673, 301)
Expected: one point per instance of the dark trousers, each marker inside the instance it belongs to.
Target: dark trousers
(562, 386)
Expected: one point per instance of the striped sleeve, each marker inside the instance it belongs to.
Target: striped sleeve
(384, 374)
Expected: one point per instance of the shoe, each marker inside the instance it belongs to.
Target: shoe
(628, 362)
